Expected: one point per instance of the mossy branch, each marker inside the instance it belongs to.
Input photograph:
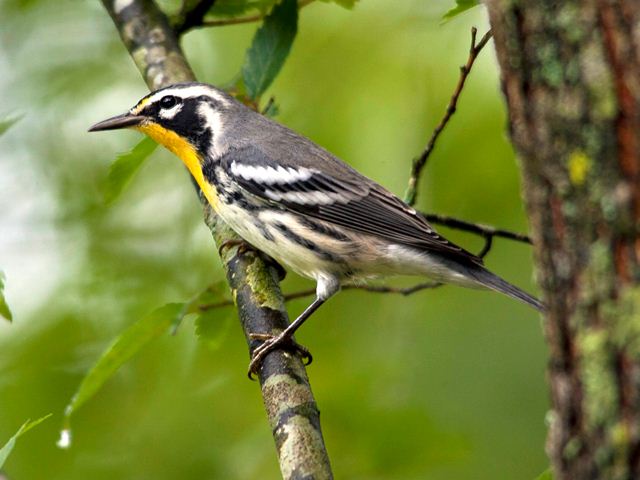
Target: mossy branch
(291, 407)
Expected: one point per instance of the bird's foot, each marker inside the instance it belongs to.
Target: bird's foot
(242, 245)
(271, 343)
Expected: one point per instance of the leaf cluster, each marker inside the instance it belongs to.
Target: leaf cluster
(460, 7)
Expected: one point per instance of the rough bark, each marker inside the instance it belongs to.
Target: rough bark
(571, 76)
(289, 402)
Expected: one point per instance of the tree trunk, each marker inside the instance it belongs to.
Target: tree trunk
(571, 77)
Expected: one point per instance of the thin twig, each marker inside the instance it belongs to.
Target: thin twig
(486, 231)
(247, 19)
(192, 15)
(269, 104)
(404, 291)
(311, 291)
(420, 162)
(488, 243)
(477, 228)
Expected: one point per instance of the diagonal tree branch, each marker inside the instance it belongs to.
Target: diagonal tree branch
(291, 407)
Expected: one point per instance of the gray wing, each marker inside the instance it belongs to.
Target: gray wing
(345, 198)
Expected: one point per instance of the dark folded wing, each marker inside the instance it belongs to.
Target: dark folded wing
(353, 202)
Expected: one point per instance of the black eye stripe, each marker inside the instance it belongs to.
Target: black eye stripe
(168, 101)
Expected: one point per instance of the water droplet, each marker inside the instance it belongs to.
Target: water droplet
(64, 441)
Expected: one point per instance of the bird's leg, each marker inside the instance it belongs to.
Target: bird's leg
(282, 340)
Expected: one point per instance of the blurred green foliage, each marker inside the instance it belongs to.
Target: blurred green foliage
(125, 167)
(6, 450)
(546, 475)
(270, 47)
(5, 312)
(125, 346)
(236, 8)
(7, 123)
(445, 384)
(460, 7)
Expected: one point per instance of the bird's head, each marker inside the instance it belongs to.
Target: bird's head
(187, 118)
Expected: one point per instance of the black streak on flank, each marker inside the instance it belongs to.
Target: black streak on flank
(237, 198)
(323, 254)
(323, 229)
(263, 230)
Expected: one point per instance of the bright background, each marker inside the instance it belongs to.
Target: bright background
(446, 384)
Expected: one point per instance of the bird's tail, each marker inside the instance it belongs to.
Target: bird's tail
(492, 281)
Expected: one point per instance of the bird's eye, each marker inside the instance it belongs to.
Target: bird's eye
(168, 101)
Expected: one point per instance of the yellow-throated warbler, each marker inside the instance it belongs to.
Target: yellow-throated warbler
(295, 201)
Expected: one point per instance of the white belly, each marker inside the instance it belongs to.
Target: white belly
(362, 256)
(261, 229)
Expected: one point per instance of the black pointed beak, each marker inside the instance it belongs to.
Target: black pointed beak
(126, 120)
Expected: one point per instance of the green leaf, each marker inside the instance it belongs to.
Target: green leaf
(348, 4)
(7, 123)
(26, 426)
(214, 314)
(461, 6)
(212, 326)
(124, 168)
(270, 47)
(213, 294)
(234, 8)
(546, 475)
(4, 308)
(125, 346)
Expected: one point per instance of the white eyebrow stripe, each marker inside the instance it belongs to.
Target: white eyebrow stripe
(190, 92)
(270, 175)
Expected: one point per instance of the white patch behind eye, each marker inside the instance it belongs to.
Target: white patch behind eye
(170, 113)
(213, 122)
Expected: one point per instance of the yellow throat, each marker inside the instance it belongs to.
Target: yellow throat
(185, 152)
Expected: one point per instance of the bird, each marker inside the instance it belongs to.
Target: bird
(299, 204)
